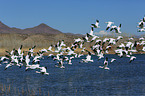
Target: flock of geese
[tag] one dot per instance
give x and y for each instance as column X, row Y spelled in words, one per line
column 61, row 53
column 141, row 25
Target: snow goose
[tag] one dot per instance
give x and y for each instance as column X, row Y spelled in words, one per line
column 105, row 64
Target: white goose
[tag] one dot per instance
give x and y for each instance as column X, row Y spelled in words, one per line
column 60, row 64
column 118, row 38
column 91, row 32
column 109, row 23
column 88, row 58
column 96, row 25
column 32, row 67
column 112, row 60
column 50, row 48
column 105, row 64
column 141, row 30
column 132, row 58
column 43, row 71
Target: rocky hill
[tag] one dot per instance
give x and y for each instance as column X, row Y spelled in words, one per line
column 40, row 29
column 41, row 36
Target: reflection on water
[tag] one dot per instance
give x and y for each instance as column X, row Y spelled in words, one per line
column 81, row 79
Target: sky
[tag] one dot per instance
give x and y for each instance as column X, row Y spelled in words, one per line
column 73, row 16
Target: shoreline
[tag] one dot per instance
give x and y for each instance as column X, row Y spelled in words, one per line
column 3, row 51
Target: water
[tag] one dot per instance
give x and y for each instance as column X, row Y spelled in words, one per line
column 81, row 79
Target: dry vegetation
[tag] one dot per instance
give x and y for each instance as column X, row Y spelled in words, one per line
column 42, row 36
column 10, row 90
column 10, row 41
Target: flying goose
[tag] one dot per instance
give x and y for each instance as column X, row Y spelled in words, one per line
column 96, row 25
column 109, row 23
column 105, row 64
column 43, row 71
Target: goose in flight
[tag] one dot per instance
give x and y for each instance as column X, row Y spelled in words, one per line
column 62, row 43
column 51, row 55
column 8, row 65
column 131, row 38
column 116, row 28
column 78, row 40
column 121, row 46
column 58, row 56
column 31, row 50
column 43, row 50
column 112, row 60
column 100, row 54
column 140, row 39
column 4, row 58
column 143, row 49
column 132, row 58
column 112, row 41
column 69, row 60
column 37, row 57
column 43, row 71
column 105, row 64
column 96, row 25
column 26, row 60
column 60, row 63
column 32, row 67
column 19, row 50
column 113, row 27
column 119, row 52
column 94, row 37
column 141, row 24
column 50, row 48
column 109, row 23
column 118, row 38
column 88, row 58
column 86, row 38
column 129, row 44
column 11, row 53
column 144, row 19
column 141, row 30
column 92, row 32
column 13, row 61
column 98, row 41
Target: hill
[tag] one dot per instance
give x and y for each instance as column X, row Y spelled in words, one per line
column 41, row 36
column 40, row 29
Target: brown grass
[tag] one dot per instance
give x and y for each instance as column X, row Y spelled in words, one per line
column 8, row 90
column 10, row 41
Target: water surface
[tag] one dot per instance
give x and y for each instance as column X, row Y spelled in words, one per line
column 81, row 79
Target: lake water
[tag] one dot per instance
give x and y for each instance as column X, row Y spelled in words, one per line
column 80, row 79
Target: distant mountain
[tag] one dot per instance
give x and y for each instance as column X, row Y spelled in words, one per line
column 6, row 29
column 42, row 36
column 40, row 29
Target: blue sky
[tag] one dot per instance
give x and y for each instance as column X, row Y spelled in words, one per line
column 74, row 16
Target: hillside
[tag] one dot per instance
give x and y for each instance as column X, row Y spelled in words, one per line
column 41, row 36
column 40, row 29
